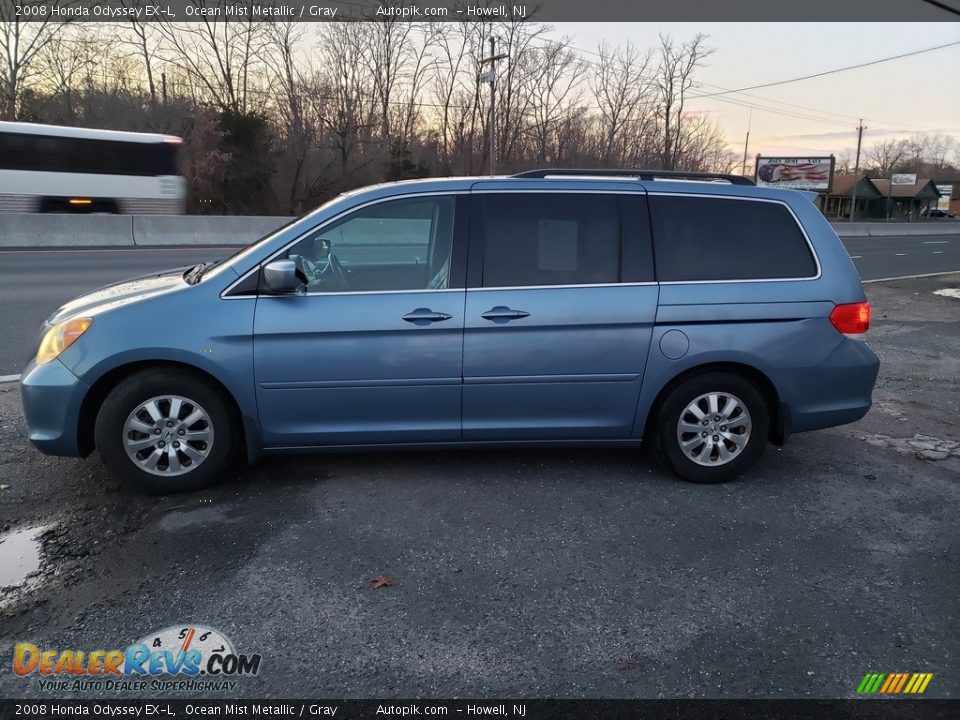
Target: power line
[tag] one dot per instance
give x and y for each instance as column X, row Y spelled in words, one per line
column 942, row 6
column 906, row 126
column 837, row 70
column 745, row 103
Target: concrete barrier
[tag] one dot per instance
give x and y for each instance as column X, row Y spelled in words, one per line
column 22, row 230
column 32, row 231
column 165, row 230
column 881, row 229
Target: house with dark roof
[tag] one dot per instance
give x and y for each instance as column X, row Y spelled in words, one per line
column 907, row 201
column 849, row 189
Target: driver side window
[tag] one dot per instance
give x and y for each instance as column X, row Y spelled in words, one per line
column 401, row 244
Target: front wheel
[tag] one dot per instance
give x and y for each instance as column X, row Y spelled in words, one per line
column 164, row 431
column 713, row 427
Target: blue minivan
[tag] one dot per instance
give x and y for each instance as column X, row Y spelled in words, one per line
column 554, row 307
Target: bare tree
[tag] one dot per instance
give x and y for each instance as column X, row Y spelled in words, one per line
column 20, row 43
column 887, row 155
column 143, row 38
column 674, row 80
column 288, row 85
column 385, row 51
column 344, row 101
column 554, row 90
column 68, row 62
column 448, row 80
column 623, row 89
column 705, row 147
column 221, row 55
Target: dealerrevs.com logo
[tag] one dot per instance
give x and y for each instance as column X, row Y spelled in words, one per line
column 181, row 657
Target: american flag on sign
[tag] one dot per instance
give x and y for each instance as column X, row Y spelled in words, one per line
column 782, row 172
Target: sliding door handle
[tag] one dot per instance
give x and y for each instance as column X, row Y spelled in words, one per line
column 425, row 316
column 502, row 313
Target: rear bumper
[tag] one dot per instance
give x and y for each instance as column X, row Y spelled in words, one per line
column 52, row 396
column 837, row 392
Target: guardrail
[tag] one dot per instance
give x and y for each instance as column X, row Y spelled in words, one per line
column 50, row 231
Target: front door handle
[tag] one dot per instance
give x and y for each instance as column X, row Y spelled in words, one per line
column 425, row 316
column 502, row 313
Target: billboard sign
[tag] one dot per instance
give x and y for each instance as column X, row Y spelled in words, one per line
column 903, row 179
column 946, row 192
column 796, row 173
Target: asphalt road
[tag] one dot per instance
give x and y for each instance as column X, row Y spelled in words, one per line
column 34, row 283
column 531, row 574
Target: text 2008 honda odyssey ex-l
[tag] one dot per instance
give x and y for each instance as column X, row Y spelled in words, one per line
column 553, row 307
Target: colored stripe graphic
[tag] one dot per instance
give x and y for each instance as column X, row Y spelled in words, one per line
column 894, row 683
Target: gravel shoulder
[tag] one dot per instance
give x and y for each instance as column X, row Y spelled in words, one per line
column 565, row 573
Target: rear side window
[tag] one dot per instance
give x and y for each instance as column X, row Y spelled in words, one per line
column 698, row 238
column 550, row 239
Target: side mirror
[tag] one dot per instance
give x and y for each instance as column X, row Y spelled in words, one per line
column 280, row 277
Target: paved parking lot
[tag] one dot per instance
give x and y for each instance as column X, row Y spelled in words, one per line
column 563, row 573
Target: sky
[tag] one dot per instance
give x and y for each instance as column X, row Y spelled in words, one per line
column 895, row 99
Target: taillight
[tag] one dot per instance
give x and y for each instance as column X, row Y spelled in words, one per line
column 851, row 319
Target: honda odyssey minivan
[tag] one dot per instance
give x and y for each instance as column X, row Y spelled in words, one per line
column 554, row 307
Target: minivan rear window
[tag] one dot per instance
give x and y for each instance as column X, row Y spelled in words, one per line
column 702, row 238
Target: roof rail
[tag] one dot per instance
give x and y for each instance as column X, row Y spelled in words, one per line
column 638, row 174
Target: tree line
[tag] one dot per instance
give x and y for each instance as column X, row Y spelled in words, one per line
column 278, row 116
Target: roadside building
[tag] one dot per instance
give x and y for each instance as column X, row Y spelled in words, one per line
column 905, row 202
column 849, row 188
column 949, row 187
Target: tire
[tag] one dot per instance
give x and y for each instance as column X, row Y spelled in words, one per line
column 186, row 450
column 741, row 433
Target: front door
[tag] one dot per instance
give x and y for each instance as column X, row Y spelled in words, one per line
column 558, row 322
column 370, row 349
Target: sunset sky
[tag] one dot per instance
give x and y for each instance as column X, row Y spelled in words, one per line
column 895, row 99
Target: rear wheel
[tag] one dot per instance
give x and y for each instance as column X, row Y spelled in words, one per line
column 165, row 431
column 713, row 427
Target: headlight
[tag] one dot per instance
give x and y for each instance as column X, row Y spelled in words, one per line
column 60, row 337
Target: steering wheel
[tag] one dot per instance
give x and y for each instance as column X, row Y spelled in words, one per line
column 321, row 266
column 336, row 269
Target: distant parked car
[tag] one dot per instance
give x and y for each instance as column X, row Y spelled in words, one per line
column 940, row 213
column 550, row 308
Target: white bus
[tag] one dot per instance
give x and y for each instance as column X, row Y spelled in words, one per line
column 46, row 168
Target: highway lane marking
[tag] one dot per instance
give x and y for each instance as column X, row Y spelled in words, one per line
column 899, row 254
column 9, row 378
column 911, row 277
column 938, row 252
column 856, row 257
column 934, row 242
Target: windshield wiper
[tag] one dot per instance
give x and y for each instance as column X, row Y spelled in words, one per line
column 194, row 274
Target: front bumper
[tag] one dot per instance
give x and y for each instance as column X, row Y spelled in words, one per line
column 52, row 397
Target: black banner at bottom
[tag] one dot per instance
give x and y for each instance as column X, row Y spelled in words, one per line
column 865, row 709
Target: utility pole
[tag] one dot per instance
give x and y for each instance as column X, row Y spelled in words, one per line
column 491, row 77
column 856, row 169
column 746, row 144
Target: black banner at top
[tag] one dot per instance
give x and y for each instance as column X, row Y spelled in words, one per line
column 481, row 10
column 499, row 709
